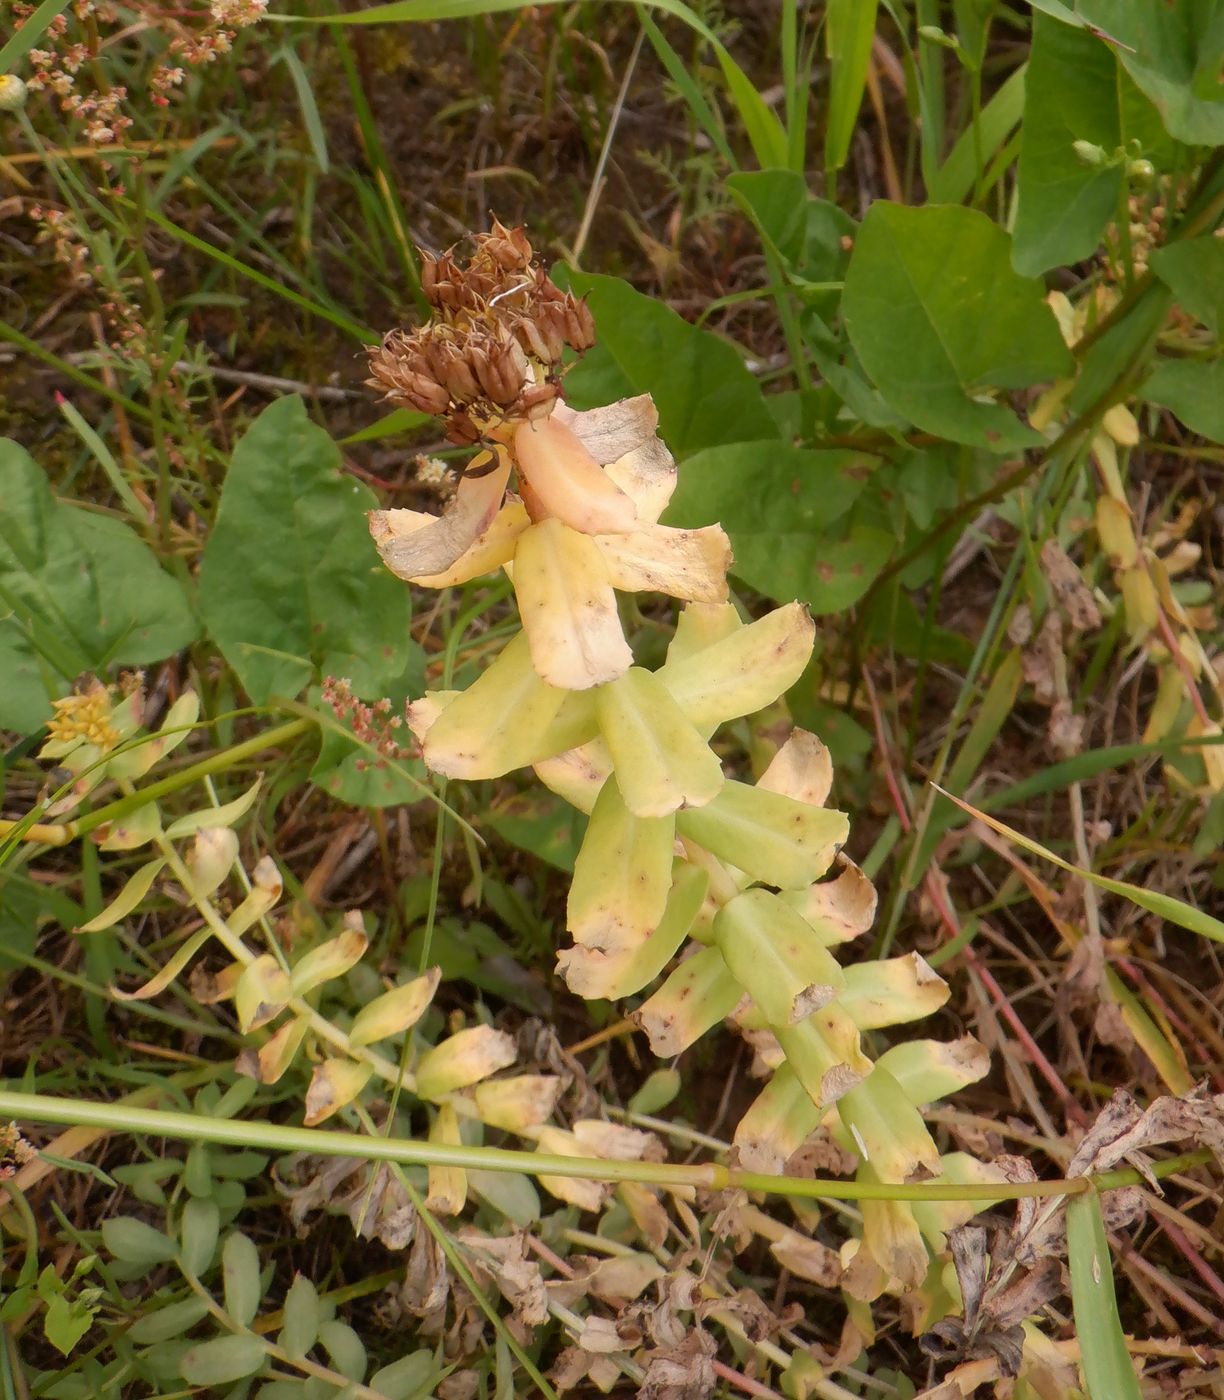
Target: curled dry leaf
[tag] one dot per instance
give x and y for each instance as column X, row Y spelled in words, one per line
column 1122, row 1131
column 1073, row 594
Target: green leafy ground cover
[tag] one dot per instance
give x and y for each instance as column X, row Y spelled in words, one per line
column 928, row 298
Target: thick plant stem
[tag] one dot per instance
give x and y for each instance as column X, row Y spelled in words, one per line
column 276, row 1137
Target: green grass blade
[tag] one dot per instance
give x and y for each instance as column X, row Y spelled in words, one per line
column 765, row 132
column 953, row 181
column 695, row 99
column 1174, row 910
column 104, row 458
column 362, row 333
column 23, row 40
column 1108, row 1373
column 849, row 30
column 310, row 108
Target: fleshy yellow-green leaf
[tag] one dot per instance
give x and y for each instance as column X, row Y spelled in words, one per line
column 395, row 1011
column 568, row 608
column 891, row 991
column 161, row 980
column 622, row 876
column 138, row 828
column 126, row 900
column 825, row 1053
column 662, row 762
column 778, row 1122
column 334, row 1084
column 518, row 1102
column 1106, row 1363
column 932, row 1069
column 593, row 973
column 773, row 838
column 887, row 1129
column 698, row 994
column 211, row 858
column 262, row 993
column 938, row 317
column 328, row 961
column 744, row 671
column 180, row 718
column 280, row 1049
column 507, row 719
column 462, row 1059
column 772, row 954
column 447, row 1185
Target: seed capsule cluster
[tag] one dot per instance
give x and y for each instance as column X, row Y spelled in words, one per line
column 494, row 348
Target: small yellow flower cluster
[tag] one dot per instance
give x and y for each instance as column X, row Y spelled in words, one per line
column 86, row 717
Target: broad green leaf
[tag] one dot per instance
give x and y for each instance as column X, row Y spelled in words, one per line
column 1194, row 269
column 291, row 587
column 1063, row 204
column 222, row 1360
column 198, row 1231
column 1173, row 51
column 29, row 683
column 1106, row 1363
column 779, row 505
column 66, row 1322
column 240, row 1272
column 165, row 1323
column 1194, row 391
column 938, row 316
column 703, row 390
column 79, row 590
column 776, row 202
column 134, row 1242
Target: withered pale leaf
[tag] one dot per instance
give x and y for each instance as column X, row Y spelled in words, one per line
column 801, row 769
column 838, row 909
column 413, row 551
column 687, row 564
column 568, row 608
column 623, row 436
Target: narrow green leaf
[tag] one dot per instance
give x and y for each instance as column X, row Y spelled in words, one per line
column 225, row 815
column 163, row 1324
column 310, row 109
column 302, row 1315
column 199, row 1229
column 240, row 1272
column 1165, row 905
column 1108, row 1373
column 134, row 1242
column 954, row 180
column 126, row 900
column 849, row 30
column 222, row 1360
column 104, row 457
